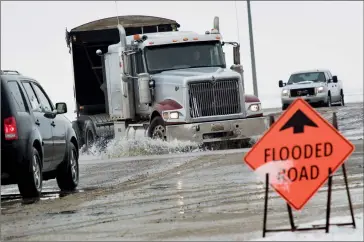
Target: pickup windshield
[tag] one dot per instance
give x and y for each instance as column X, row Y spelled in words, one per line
column 307, row 77
column 184, row 55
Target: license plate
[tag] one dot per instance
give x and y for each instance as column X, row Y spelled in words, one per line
column 217, row 127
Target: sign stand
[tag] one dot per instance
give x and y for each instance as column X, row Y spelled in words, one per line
column 328, row 205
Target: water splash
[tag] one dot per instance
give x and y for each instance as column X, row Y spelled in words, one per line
column 116, row 148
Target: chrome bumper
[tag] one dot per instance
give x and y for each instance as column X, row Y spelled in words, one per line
column 309, row 99
column 218, row 130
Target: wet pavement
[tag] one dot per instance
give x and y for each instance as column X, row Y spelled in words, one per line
column 195, row 196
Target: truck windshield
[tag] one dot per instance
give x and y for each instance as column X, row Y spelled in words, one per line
column 307, row 77
column 184, row 55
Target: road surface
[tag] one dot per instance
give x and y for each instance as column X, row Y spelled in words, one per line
column 195, row 196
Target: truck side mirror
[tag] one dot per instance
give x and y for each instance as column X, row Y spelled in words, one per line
column 334, row 79
column 125, row 56
column 236, row 54
column 280, row 83
column 144, row 86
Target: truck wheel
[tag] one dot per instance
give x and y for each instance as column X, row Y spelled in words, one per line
column 89, row 134
column 31, row 181
column 78, row 133
column 328, row 103
column 67, row 171
column 157, row 128
column 284, row 106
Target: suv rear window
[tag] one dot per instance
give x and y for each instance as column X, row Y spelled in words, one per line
column 17, row 96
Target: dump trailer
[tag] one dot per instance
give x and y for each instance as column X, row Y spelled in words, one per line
column 142, row 76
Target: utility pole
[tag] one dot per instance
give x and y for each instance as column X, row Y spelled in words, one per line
column 254, row 72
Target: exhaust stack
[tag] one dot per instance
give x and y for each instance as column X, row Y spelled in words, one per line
column 217, row 23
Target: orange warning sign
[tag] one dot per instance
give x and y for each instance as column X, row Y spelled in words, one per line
column 297, row 152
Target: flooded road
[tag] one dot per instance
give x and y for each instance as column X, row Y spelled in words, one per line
column 207, row 195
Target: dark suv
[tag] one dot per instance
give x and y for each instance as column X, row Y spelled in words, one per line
column 37, row 141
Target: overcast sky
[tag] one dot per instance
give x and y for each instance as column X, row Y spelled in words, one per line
column 288, row 36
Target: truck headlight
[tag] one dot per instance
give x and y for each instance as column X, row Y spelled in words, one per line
column 319, row 89
column 171, row 115
column 254, row 107
column 285, row 92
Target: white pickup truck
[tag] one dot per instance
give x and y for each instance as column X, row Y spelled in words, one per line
column 315, row 86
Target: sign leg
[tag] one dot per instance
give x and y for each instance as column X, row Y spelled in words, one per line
column 265, row 204
column 348, row 193
column 328, row 206
column 271, row 122
column 335, row 124
column 291, row 221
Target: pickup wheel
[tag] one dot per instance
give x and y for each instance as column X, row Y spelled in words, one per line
column 157, row 128
column 31, row 180
column 328, row 103
column 342, row 101
column 67, row 171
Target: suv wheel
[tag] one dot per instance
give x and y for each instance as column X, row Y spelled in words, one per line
column 67, row 171
column 31, row 180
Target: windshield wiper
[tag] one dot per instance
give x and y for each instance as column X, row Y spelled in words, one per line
column 186, row 67
column 222, row 66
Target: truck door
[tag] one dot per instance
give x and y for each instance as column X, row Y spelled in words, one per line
column 333, row 87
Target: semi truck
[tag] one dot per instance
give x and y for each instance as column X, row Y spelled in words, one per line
column 140, row 76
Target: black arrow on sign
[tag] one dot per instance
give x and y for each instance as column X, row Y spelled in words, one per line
column 298, row 121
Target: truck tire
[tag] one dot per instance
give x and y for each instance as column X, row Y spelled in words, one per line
column 31, row 178
column 89, row 134
column 157, row 128
column 77, row 130
column 68, row 170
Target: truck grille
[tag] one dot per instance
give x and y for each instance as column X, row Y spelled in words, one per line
column 208, row 98
column 302, row 92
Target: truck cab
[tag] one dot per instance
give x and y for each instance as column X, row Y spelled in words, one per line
column 314, row 86
column 160, row 83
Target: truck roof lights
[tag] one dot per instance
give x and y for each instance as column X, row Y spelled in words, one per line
column 195, row 38
column 174, row 40
column 185, row 39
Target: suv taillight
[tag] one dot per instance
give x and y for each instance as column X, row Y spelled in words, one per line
column 10, row 129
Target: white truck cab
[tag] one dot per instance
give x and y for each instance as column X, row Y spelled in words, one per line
column 314, row 86
column 139, row 75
